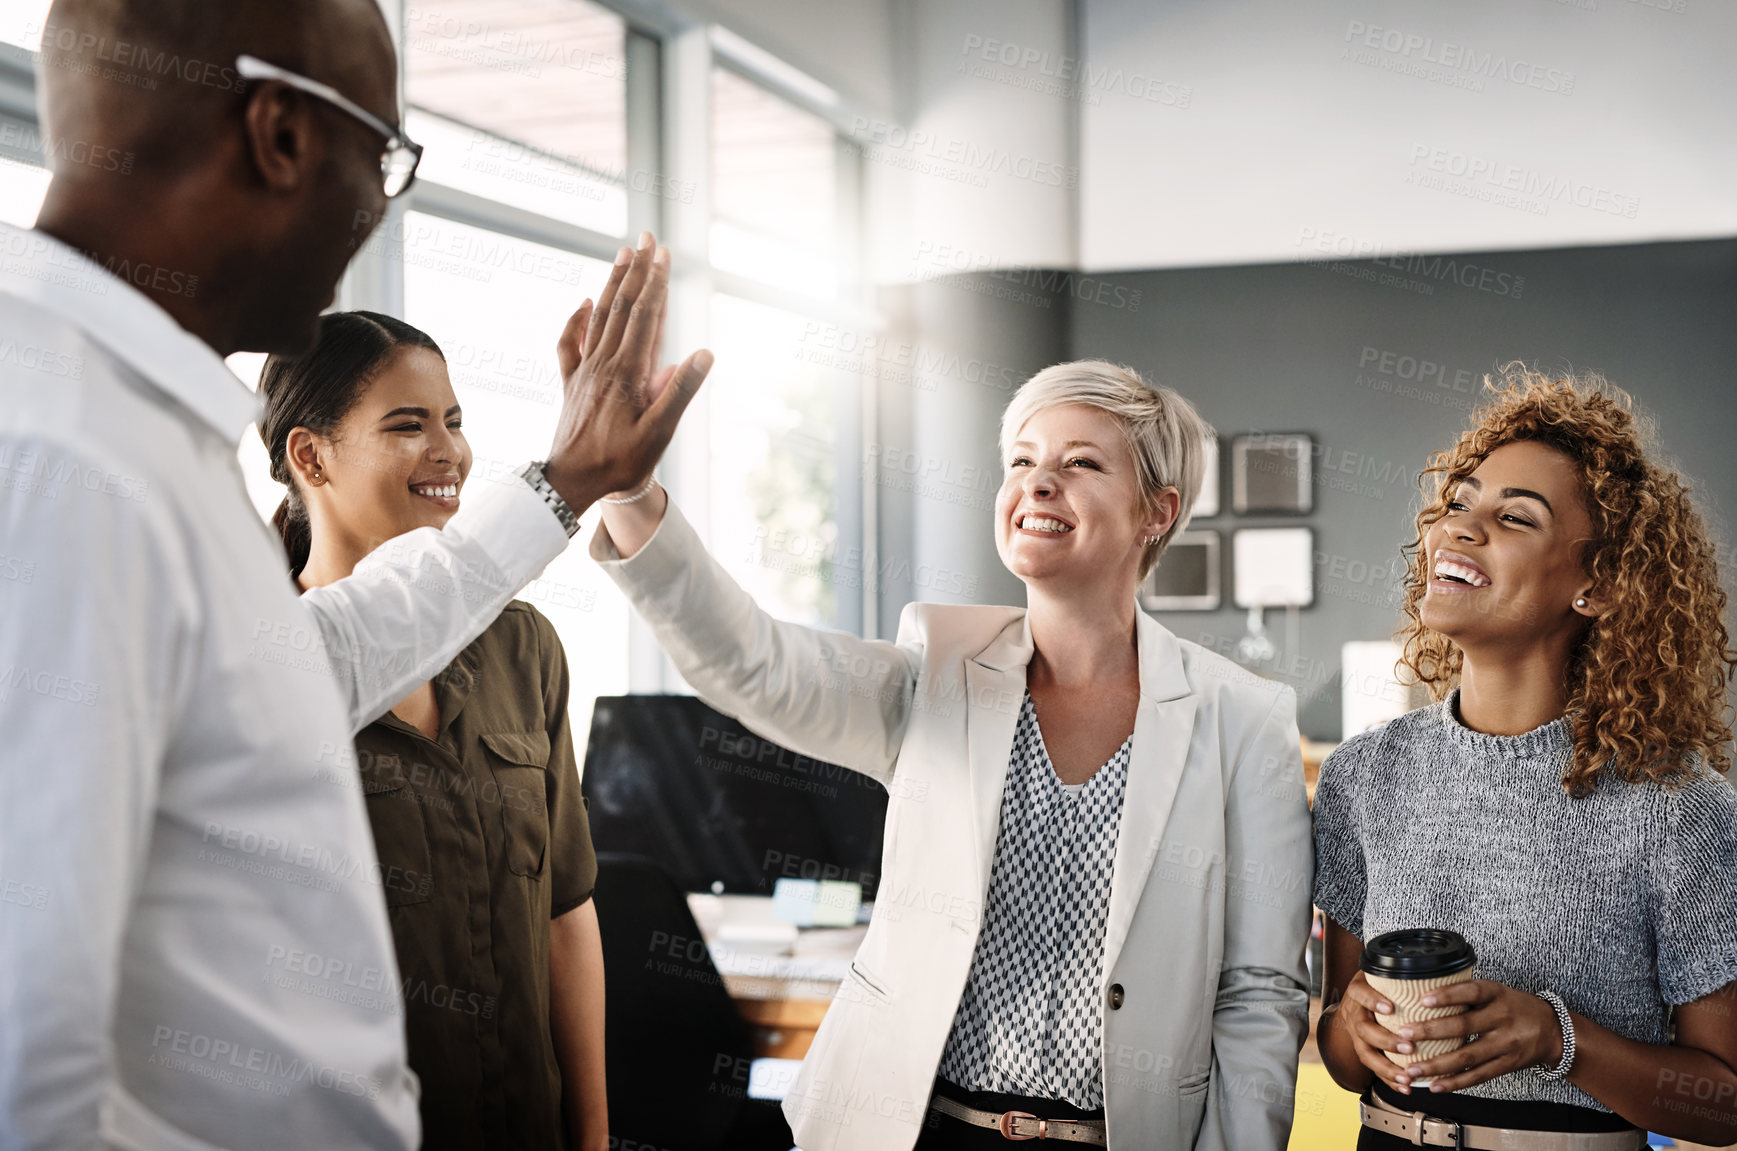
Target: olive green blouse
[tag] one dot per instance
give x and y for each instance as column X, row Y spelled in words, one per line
column 484, row 828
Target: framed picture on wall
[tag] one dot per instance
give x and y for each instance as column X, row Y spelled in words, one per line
column 1271, row 472
column 1206, row 503
column 1187, row 576
column 1275, row 567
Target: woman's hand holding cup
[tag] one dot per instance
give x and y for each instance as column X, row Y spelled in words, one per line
column 1515, row 1030
column 1357, row 1014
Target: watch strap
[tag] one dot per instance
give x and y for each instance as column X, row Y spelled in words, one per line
column 532, row 473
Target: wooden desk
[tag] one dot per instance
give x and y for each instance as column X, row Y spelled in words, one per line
column 782, row 994
column 783, row 1028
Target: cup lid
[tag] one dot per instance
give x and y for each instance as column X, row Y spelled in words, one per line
column 1417, row 953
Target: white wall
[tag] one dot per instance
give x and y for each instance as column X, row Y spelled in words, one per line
column 1207, row 132
column 845, row 44
column 1297, row 138
column 971, row 172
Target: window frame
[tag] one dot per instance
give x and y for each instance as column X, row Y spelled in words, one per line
column 669, row 65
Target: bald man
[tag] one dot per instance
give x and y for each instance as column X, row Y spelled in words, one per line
column 194, row 949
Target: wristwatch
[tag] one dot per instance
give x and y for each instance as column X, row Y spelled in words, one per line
column 532, row 473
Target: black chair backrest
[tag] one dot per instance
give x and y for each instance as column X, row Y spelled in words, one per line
column 677, row 1050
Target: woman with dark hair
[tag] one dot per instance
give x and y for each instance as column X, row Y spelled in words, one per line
column 471, row 784
column 1562, row 805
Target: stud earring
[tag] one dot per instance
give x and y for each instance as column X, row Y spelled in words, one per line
column 1580, row 602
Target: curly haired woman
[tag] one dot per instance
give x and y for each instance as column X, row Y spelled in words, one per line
column 1562, row 804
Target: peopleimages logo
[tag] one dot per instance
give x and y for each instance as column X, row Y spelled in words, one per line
column 1460, row 65
column 1419, row 273
column 1541, row 188
column 230, row 1061
column 509, row 48
column 74, row 151
column 1449, row 269
column 954, row 158
column 1068, row 76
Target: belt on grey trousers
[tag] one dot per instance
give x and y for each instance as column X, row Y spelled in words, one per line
column 1420, row 1130
column 1022, row 1125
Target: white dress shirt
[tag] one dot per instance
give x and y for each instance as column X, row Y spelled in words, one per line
column 180, row 824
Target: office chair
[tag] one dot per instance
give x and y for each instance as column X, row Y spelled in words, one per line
column 676, row 1049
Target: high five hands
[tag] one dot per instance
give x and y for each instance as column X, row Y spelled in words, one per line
column 619, row 407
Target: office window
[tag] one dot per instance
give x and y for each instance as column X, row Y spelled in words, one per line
column 22, row 186
column 774, row 189
column 524, row 103
column 495, row 305
column 264, row 492
column 785, row 491
column 21, row 23
column 776, row 450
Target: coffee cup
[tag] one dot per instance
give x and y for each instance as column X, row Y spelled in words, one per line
column 1403, row 967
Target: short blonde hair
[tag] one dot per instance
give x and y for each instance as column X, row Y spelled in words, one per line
column 1164, row 433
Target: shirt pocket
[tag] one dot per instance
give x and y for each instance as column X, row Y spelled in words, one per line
column 400, row 833
column 520, row 762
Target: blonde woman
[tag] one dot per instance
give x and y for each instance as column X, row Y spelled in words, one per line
column 1094, row 893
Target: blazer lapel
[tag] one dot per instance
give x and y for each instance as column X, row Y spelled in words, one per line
column 1163, row 731
column 995, row 689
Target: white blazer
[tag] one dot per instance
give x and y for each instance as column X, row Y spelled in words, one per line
column 1205, row 1001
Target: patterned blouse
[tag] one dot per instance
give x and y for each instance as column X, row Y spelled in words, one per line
column 1031, row 1020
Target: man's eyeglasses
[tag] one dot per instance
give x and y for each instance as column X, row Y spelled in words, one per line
column 397, row 163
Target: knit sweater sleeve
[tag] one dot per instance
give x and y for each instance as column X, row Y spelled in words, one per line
column 1696, row 891
column 1341, row 880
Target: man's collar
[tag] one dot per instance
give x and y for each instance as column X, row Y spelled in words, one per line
column 47, row 273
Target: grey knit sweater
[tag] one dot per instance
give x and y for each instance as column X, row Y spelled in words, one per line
column 1623, row 902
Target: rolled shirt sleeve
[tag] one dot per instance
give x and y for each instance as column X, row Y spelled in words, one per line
column 417, row 600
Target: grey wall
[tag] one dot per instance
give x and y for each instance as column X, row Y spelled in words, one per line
column 957, row 348
column 1300, row 347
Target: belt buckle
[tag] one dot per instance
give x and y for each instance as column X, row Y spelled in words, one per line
column 1459, row 1134
column 1423, row 1121
column 1005, row 1126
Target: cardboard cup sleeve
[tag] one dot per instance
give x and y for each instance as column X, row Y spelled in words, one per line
column 1405, row 995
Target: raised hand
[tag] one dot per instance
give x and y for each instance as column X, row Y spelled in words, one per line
column 619, row 409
